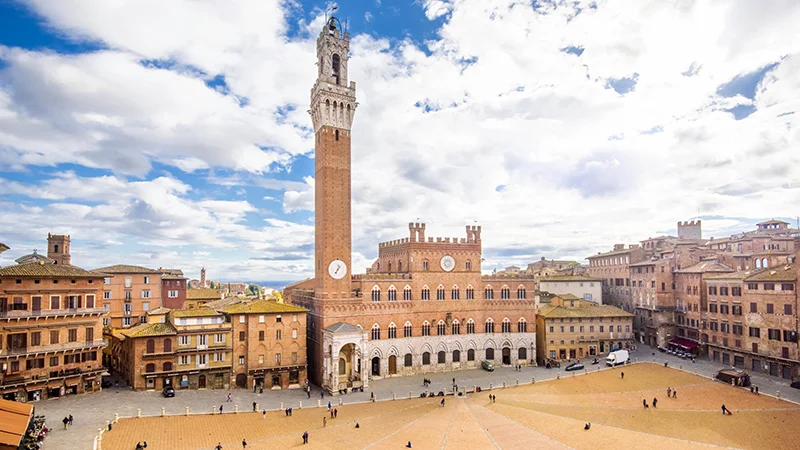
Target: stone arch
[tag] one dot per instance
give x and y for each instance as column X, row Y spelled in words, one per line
column 393, row 351
column 457, row 346
column 471, row 345
column 489, row 343
column 426, row 347
column 441, row 347
column 376, row 353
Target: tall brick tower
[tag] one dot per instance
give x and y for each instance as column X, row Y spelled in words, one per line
column 58, row 248
column 333, row 105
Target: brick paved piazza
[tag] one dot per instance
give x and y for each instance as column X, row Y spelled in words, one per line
column 547, row 414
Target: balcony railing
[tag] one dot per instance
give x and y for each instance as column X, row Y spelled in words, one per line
column 54, row 347
column 49, row 312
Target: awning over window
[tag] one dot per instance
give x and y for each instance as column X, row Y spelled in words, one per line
column 73, row 381
column 55, row 384
column 683, row 343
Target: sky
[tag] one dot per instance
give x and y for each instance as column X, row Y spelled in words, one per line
column 176, row 134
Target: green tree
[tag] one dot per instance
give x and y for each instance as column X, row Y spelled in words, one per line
column 253, row 289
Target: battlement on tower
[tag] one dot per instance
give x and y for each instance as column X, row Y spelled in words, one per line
column 690, row 229
column 417, row 236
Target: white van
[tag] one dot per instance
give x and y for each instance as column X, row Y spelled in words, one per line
column 618, row 357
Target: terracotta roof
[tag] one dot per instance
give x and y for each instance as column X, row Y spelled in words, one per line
column 298, row 283
column 711, row 265
column 4, row 247
column 649, row 262
column 199, row 312
column 781, row 273
column 41, row 269
column 123, row 268
column 568, row 278
column 740, row 275
column 159, row 310
column 34, row 257
column 613, row 252
column 203, row 294
column 169, row 276
column 551, row 312
column 150, row 329
column 262, row 306
column 14, row 419
column 571, row 297
column 341, row 327
column 772, row 222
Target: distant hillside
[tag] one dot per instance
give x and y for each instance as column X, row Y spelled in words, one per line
column 277, row 285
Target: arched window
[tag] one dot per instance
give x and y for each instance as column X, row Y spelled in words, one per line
column 392, row 331
column 522, row 325
column 506, row 325
column 167, row 366
column 167, row 345
column 489, row 326
column 490, row 354
column 426, row 293
column 440, row 292
column 440, row 328
column 758, row 263
column 390, row 267
column 441, row 357
column 407, row 293
column 426, row 359
column 455, row 328
column 470, row 293
column 522, row 353
column 426, row 328
column 376, row 294
column 425, row 265
column 454, row 293
column 376, row 332
column 392, row 294
column 151, row 346
column 471, row 355
column 488, row 293
column 469, row 265
column 521, row 292
column 55, row 248
column 399, row 266
column 335, row 60
column 408, row 360
column 407, row 330
column 505, row 293
column 470, row 326
column 764, row 263
column 150, row 368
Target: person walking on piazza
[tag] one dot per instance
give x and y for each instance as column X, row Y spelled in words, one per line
column 254, row 406
column 305, row 437
column 644, row 402
column 655, row 400
column 335, row 412
column 220, row 409
column 70, row 420
column 324, row 421
column 219, row 446
column 244, row 443
column 229, row 398
column 669, row 392
column 674, row 393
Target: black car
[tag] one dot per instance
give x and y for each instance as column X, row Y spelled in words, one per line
column 574, row 366
column 168, row 392
column 795, row 384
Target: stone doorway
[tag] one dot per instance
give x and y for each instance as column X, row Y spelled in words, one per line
column 376, row 367
column 241, row 380
column 393, row 365
column 506, row 356
column 201, row 381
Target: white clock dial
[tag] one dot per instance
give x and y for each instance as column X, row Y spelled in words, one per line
column 337, row 269
column 447, row 263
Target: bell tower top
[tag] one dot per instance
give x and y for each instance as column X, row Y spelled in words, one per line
column 333, row 100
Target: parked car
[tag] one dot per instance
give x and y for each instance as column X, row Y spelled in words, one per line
column 795, row 384
column 487, row 365
column 168, row 392
column 574, row 366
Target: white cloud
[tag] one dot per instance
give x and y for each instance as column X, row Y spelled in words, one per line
column 582, row 166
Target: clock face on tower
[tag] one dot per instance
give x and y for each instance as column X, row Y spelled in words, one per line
column 337, row 269
column 447, row 263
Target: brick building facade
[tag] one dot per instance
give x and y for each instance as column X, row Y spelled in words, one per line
column 129, row 292
column 423, row 306
column 50, row 329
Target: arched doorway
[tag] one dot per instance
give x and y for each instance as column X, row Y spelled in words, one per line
column 506, row 356
column 201, row 381
column 241, row 380
column 392, row 365
column 376, row 367
column 348, row 366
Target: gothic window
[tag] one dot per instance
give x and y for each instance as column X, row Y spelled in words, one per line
column 490, row 354
column 470, row 293
column 455, row 328
column 408, row 360
column 376, row 294
column 758, row 263
column 376, row 332
column 454, row 293
column 440, row 293
column 456, row 356
column 505, row 293
column 426, row 328
column 392, row 294
column 426, row 293
column 407, row 293
column 488, row 293
column 471, row 355
column 424, row 265
column 764, row 263
column 407, row 330
column 392, row 331
column 522, row 326
column 506, row 325
column 470, row 326
column 399, row 266
column 390, row 267
column 489, row 326
column 335, row 63
column 521, row 292
column 440, row 328
column 426, row 359
column 441, row 357
column 469, row 265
